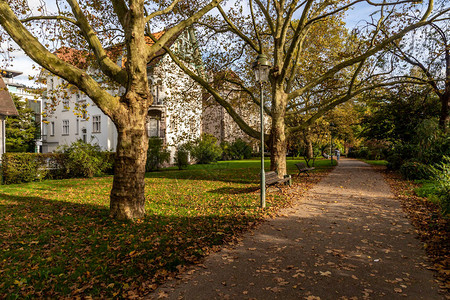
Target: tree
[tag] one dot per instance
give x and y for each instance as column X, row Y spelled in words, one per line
column 93, row 27
column 21, row 130
column 393, row 115
column 431, row 60
column 283, row 28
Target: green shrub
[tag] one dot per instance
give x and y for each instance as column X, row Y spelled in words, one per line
column 21, row 167
column 414, row 171
column 400, row 154
column 157, row 154
column 240, row 150
column 26, row 167
column 83, row 159
column 182, row 157
column 205, row 149
column 441, row 175
column 108, row 161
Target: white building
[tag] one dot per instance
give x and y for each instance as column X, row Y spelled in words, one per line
column 30, row 95
column 7, row 108
column 175, row 115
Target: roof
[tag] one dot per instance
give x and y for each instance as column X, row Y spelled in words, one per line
column 7, row 107
column 75, row 57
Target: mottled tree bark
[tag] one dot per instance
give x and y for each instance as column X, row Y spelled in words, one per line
column 127, row 194
column 278, row 134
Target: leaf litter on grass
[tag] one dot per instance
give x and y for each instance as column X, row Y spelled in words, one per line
column 58, row 241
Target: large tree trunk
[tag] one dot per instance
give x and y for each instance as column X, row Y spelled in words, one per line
column 278, row 134
column 127, row 194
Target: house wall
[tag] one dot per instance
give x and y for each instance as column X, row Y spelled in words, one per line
column 182, row 105
column 34, row 101
column 217, row 122
column 57, row 114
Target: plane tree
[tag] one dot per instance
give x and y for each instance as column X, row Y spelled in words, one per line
column 428, row 53
column 302, row 70
column 92, row 26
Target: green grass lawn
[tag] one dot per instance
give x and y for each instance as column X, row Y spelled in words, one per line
column 57, row 239
column 376, row 162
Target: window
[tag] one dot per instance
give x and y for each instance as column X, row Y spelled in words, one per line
column 65, row 127
column 84, row 135
column 77, row 127
column 96, row 124
column 153, row 128
column 52, row 128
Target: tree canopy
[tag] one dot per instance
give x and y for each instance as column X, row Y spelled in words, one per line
column 316, row 63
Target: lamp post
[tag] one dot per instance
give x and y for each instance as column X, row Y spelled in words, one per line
column 261, row 68
column 331, row 142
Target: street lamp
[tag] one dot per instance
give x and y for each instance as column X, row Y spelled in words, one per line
column 261, row 68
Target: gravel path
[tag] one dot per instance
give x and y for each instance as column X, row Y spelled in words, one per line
column 347, row 238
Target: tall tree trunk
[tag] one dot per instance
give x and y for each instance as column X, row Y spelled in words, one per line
column 444, row 119
column 308, row 142
column 278, row 134
column 127, row 194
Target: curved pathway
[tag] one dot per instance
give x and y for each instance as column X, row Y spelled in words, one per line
column 347, row 238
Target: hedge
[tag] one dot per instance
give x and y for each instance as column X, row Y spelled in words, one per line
column 26, row 167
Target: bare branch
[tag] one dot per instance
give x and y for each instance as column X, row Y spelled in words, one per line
column 241, row 123
column 110, row 68
column 58, row 18
column 161, row 12
column 237, row 31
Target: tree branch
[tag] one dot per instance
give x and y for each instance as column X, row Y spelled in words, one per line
column 58, row 18
column 239, row 121
column 161, row 12
column 37, row 52
column 237, row 31
column 357, row 59
column 110, row 68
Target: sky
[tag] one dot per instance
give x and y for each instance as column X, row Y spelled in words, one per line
column 24, row 64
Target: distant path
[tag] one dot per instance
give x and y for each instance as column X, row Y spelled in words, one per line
column 347, row 238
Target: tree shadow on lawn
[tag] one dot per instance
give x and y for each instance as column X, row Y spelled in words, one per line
column 234, row 191
column 54, row 248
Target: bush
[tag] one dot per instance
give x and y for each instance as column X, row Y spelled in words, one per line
column 182, row 157
column 441, row 174
column 205, row 149
column 400, row 154
column 239, row 149
column 157, row 154
column 415, row 171
column 26, row 167
column 83, row 159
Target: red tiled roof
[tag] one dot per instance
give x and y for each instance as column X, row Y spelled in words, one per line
column 7, row 107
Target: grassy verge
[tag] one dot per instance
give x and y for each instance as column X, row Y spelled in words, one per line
column 57, row 239
column 376, row 162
